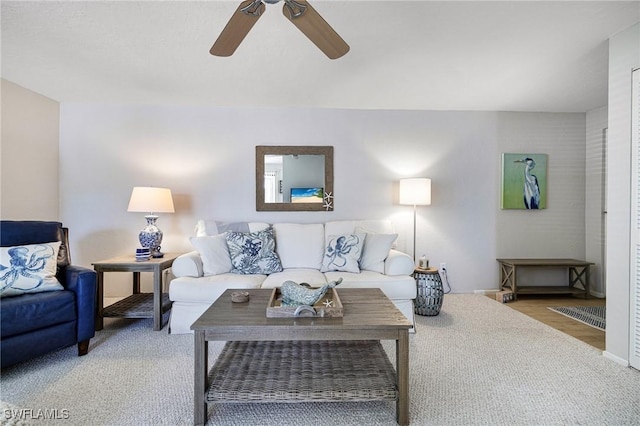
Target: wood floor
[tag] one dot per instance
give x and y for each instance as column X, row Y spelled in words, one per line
column 536, row 306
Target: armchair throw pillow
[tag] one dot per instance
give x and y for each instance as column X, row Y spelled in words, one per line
column 29, row 269
column 254, row 252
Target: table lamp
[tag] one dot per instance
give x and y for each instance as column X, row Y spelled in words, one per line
column 151, row 200
column 416, row 192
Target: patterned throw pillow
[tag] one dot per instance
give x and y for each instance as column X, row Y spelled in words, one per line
column 29, row 269
column 342, row 253
column 253, row 253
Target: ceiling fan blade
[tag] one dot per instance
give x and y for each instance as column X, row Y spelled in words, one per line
column 305, row 17
column 242, row 20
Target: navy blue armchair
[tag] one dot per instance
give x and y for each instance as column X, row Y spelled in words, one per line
column 34, row 324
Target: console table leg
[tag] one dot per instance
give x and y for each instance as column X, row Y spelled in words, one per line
column 508, row 277
column 581, row 276
column 402, row 372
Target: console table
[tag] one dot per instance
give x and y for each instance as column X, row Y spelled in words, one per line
column 578, row 274
column 138, row 305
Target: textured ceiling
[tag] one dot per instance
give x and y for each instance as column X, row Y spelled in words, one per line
column 496, row 56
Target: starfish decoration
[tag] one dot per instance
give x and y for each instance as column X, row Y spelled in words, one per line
column 328, row 201
column 328, row 303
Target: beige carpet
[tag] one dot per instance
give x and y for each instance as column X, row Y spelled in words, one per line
column 477, row 363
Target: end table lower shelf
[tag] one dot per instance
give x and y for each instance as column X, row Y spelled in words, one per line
column 139, row 305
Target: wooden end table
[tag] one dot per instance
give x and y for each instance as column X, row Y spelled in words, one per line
column 138, row 305
column 369, row 316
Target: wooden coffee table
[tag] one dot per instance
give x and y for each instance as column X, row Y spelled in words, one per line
column 336, row 356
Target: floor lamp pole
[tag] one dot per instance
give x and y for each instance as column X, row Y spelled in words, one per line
column 414, row 235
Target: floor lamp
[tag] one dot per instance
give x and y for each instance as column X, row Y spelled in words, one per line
column 415, row 192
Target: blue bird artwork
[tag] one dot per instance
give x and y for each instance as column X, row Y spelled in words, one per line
column 524, row 181
column 531, row 190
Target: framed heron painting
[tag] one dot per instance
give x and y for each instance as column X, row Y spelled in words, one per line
column 524, row 181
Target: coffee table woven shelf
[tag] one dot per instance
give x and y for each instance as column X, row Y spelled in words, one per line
column 139, row 305
column 299, row 371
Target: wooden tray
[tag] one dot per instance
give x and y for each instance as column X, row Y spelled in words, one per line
column 275, row 310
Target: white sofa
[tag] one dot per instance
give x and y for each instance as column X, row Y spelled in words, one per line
column 201, row 276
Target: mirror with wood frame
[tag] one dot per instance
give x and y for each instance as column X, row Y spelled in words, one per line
column 294, row 178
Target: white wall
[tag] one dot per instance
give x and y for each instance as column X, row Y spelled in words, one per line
column 206, row 156
column 624, row 56
column 29, row 152
column 539, row 233
column 594, row 202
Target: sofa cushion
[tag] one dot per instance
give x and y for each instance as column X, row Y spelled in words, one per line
column 340, row 227
column 208, row 289
column 312, row 277
column 29, row 312
column 343, row 252
column 254, row 252
column 376, row 249
column 214, row 253
column 29, row 269
column 215, row 227
column 396, row 287
column 300, row 245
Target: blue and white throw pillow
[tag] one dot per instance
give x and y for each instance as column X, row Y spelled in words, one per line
column 29, row 269
column 254, row 252
column 342, row 253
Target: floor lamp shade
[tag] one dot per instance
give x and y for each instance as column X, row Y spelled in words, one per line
column 415, row 192
column 151, row 200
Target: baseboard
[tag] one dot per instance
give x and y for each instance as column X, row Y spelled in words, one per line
column 615, row 358
column 597, row 295
column 485, row 292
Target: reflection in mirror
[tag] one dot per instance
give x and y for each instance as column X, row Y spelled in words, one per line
column 294, row 178
column 273, row 179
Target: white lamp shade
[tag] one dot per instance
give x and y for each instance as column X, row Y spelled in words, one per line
column 415, row 191
column 151, row 200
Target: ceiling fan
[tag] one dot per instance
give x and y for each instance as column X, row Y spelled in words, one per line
column 299, row 12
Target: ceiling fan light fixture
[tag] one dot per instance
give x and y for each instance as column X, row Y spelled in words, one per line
column 295, row 9
column 253, row 9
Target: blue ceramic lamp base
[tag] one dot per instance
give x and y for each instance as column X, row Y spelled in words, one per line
column 151, row 236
